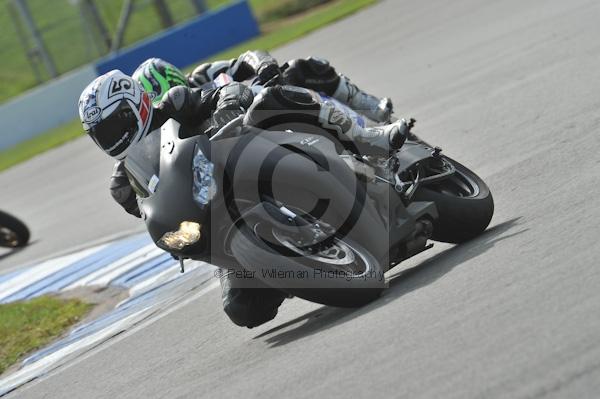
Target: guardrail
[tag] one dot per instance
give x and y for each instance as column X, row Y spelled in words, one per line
column 54, row 103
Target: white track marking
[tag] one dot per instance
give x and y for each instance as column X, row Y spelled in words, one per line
column 161, row 278
column 41, row 271
column 103, row 276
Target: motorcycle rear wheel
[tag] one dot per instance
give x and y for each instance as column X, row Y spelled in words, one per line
column 464, row 202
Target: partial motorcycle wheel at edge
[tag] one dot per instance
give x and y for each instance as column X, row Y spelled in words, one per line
column 13, row 232
column 255, row 255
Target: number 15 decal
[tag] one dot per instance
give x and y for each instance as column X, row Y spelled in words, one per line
column 122, row 86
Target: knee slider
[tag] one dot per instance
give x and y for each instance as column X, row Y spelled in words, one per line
column 238, row 312
column 250, row 307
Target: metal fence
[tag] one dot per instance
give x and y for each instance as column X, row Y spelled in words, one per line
column 41, row 39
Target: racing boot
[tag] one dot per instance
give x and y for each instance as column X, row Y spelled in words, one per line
column 386, row 138
column 374, row 108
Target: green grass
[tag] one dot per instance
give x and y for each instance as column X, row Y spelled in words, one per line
column 26, row 326
column 275, row 34
column 281, row 33
column 62, row 31
column 70, row 46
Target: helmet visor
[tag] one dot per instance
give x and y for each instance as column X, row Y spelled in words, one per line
column 116, row 133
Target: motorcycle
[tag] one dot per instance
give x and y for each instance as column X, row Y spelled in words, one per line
column 297, row 211
column 13, row 232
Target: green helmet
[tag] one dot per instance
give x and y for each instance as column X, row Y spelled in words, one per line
column 157, row 76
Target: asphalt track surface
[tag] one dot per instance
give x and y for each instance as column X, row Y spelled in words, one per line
column 508, row 88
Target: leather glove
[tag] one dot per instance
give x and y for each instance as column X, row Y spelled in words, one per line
column 268, row 71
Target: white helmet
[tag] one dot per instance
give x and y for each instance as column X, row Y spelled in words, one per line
column 116, row 112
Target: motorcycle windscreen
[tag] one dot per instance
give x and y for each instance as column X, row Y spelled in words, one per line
column 143, row 164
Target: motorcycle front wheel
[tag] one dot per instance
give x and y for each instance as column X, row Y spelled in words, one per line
column 339, row 273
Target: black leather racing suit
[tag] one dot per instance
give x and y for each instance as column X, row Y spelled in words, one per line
column 311, row 73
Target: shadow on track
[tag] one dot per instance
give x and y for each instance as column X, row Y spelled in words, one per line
column 403, row 283
column 13, row 251
column 7, row 254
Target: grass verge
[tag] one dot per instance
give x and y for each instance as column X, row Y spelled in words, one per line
column 274, row 35
column 27, row 326
column 278, row 33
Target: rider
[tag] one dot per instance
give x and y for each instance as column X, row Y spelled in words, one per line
column 158, row 76
column 116, row 113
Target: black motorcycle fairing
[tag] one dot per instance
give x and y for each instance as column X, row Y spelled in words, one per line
column 170, row 201
column 299, row 170
column 302, row 171
column 143, row 162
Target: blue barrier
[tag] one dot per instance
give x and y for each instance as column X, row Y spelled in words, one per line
column 183, row 45
column 207, row 35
